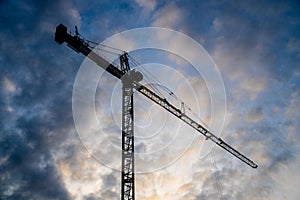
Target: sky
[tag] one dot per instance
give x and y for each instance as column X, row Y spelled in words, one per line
column 255, row 46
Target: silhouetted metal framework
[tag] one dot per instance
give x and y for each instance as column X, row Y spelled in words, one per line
column 127, row 179
column 178, row 113
column 130, row 81
column 127, row 185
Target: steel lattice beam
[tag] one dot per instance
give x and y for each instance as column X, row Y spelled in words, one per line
column 127, row 182
column 204, row 131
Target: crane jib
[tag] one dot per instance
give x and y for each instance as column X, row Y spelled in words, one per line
column 80, row 46
column 177, row 112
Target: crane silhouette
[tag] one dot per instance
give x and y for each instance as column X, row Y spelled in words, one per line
column 131, row 81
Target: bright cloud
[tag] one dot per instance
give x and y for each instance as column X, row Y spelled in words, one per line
column 168, row 17
column 149, row 5
column 8, row 85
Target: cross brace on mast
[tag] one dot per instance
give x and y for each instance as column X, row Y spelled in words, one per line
column 130, row 81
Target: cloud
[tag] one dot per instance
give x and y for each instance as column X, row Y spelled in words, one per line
column 147, row 5
column 253, row 86
column 38, row 117
column 242, row 47
column 286, row 181
column 255, row 115
column 8, row 85
column 29, row 167
column 169, row 16
column 255, row 46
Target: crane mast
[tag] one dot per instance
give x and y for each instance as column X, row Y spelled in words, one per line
column 130, row 81
column 127, row 179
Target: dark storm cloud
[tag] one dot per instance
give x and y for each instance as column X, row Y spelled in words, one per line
column 100, row 24
column 257, row 34
column 253, row 39
column 250, row 30
column 43, row 73
column 29, row 171
column 41, row 118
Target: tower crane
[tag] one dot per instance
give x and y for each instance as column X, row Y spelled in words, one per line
column 131, row 81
